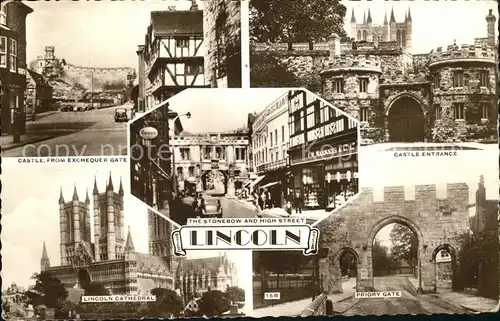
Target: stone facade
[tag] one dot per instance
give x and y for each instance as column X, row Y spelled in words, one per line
column 447, row 95
column 353, row 228
column 222, row 28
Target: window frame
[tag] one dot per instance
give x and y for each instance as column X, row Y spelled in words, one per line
column 438, row 112
column 459, row 108
column 484, row 78
column 4, row 51
column 458, row 79
column 364, row 114
column 485, row 111
column 363, row 80
column 338, row 85
column 12, row 55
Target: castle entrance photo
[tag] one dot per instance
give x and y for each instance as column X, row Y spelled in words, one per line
column 214, row 182
column 406, row 121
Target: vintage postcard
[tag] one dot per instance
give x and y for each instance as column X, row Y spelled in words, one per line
column 224, row 158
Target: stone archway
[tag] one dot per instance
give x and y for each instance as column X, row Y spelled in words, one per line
column 83, row 278
column 338, row 268
column 215, row 182
column 443, row 267
column 406, row 120
column 365, row 279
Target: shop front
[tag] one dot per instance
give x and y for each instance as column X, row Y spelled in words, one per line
column 325, row 178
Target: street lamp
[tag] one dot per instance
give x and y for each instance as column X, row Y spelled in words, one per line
column 174, row 175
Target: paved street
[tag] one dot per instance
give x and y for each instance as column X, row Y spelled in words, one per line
column 408, row 303
column 232, row 208
column 89, row 133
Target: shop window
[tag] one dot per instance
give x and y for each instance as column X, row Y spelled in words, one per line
column 484, row 76
column 437, row 111
column 338, row 85
column 459, row 111
column 3, row 52
column 485, row 111
column 364, row 114
column 363, row 85
column 13, row 55
column 458, row 79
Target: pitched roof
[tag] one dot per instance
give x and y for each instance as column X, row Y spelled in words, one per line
column 196, row 266
column 146, row 263
column 177, row 23
column 36, row 76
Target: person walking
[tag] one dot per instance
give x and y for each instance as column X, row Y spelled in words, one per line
column 256, row 204
column 298, row 203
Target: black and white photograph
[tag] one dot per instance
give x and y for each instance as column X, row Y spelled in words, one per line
column 89, row 237
column 281, row 153
column 430, row 239
column 75, row 72
column 409, row 73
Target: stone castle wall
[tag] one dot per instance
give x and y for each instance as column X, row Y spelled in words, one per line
column 101, row 76
column 434, row 220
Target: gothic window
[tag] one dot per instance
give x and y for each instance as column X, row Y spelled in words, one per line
column 359, row 35
column 364, row 35
column 458, row 79
column 398, row 37
column 459, row 111
column 363, row 85
column 364, row 114
column 484, row 78
column 437, row 81
column 437, row 111
column 403, row 38
column 338, row 85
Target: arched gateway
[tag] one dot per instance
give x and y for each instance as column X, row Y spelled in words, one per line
column 433, row 220
column 214, row 182
column 406, row 120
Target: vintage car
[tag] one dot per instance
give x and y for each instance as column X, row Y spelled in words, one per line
column 121, row 115
column 213, row 207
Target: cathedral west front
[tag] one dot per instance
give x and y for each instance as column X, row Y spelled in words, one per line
column 110, row 257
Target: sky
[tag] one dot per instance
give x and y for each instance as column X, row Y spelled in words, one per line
column 434, row 23
column 93, row 33
column 217, row 110
column 467, row 167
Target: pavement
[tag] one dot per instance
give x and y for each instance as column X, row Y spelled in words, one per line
column 408, row 303
column 467, row 301
column 295, row 308
column 52, row 134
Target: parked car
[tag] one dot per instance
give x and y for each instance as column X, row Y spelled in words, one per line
column 66, row 107
column 121, row 115
column 213, row 207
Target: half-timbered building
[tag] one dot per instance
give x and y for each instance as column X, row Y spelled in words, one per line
column 173, row 53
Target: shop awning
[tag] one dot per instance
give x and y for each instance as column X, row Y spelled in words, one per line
column 270, row 184
column 256, row 181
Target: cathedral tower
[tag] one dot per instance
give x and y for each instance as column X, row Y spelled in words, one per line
column 160, row 239
column 74, row 220
column 490, row 19
column 353, row 25
column 109, row 235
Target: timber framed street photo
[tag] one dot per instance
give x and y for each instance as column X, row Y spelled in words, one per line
column 95, row 254
column 376, row 61
column 67, row 97
column 286, row 153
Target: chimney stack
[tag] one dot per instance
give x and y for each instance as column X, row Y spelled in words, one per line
column 334, row 44
column 194, row 6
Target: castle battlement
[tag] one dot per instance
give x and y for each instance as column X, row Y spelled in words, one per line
column 479, row 51
column 396, row 78
column 350, row 61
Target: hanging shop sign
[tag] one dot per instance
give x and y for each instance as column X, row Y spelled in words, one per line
column 148, row 133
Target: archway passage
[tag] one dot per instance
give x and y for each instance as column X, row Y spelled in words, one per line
column 83, row 278
column 406, row 121
column 348, row 261
column 444, row 258
column 395, row 258
column 214, row 182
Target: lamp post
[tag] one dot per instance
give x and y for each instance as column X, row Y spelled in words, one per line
column 174, row 174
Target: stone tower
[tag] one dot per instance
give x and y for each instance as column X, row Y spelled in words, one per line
column 74, row 220
column 491, row 19
column 160, row 239
column 109, row 238
column 44, row 262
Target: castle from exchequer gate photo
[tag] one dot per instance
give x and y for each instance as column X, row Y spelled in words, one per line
column 111, row 259
column 447, row 95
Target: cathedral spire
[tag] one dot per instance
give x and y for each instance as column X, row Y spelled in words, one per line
column 129, row 244
column 110, row 183
column 45, row 255
column 87, row 199
column 385, row 18
column 75, row 194
column 44, row 261
column 61, row 197
column 392, row 16
column 369, row 19
column 409, row 15
column 353, row 18
column 120, row 191
column 364, row 17
column 95, row 191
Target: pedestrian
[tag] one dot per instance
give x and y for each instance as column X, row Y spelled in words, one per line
column 268, row 198
column 256, row 204
column 263, row 198
column 298, row 203
column 288, row 208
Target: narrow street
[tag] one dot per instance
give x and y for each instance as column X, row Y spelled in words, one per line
column 408, row 303
column 232, row 208
column 88, row 133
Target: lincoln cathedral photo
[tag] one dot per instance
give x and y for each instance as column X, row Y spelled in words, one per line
column 111, row 260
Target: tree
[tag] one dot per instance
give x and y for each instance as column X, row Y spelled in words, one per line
column 168, row 303
column 296, row 21
column 380, row 258
column 213, row 303
column 235, row 294
column 404, row 245
column 48, row 290
column 95, row 288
